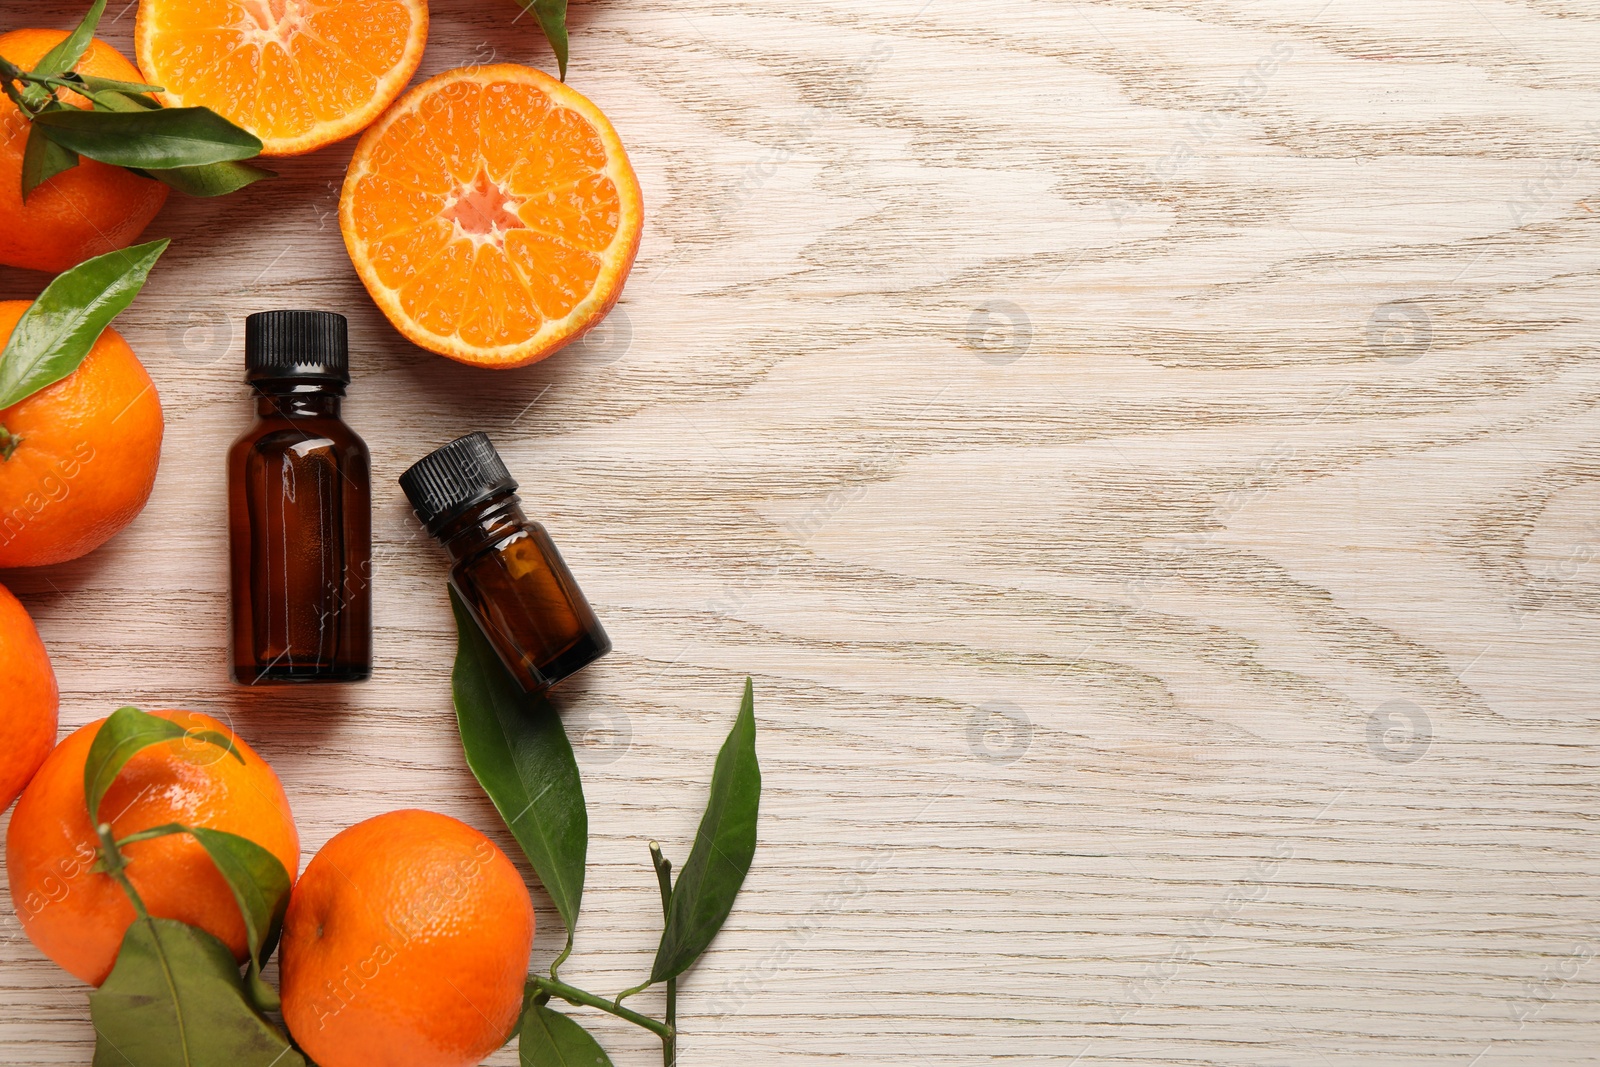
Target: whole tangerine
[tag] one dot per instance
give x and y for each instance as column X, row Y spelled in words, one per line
column 84, row 457
column 86, row 211
column 406, row 945
column 76, row 916
column 28, row 727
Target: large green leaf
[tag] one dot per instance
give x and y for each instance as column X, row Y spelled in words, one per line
column 60, row 327
column 724, row 846
column 210, row 179
column 156, row 139
column 65, row 55
column 175, row 999
column 518, row 749
column 124, row 735
column 550, row 1039
column 552, row 16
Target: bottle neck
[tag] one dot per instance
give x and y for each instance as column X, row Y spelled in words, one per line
column 298, row 398
column 481, row 525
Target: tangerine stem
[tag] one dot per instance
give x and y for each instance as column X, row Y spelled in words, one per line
column 641, row 987
column 555, row 966
column 7, row 83
column 31, row 98
column 573, row 995
column 81, row 89
column 151, row 834
column 663, row 866
column 112, row 863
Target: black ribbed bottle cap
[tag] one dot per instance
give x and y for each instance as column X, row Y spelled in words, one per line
column 454, row 477
column 296, row 344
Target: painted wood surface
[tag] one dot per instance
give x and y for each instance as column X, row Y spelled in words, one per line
column 1144, row 453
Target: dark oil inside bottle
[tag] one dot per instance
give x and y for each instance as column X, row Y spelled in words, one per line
column 300, row 535
column 519, row 590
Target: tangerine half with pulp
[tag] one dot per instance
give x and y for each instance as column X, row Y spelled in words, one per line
column 492, row 214
column 298, row 74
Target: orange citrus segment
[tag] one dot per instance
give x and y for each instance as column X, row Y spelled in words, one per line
column 492, row 214
column 298, row 74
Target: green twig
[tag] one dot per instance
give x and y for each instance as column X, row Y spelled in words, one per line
column 631, row 990
column 39, row 90
column 663, row 866
column 574, row 995
column 33, row 97
column 555, row 967
column 73, row 85
column 18, row 98
column 112, row 863
column 69, row 85
column 151, row 834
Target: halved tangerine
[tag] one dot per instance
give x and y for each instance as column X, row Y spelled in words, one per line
column 492, row 214
column 296, row 73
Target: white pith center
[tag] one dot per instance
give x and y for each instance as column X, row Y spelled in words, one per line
column 483, row 212
column 265, row 22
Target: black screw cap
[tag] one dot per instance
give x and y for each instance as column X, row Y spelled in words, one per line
column 454, row 477
column 296, row 344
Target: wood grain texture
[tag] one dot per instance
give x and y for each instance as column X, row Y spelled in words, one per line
column 1145, row 454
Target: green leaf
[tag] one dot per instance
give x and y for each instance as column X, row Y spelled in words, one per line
column 65, row 55
column 723, row 848
column 260, row 885
column 213, row 179
column 124, row 735
column 518, row 749
column 115, row 100
column 155, row 140
column 42, row 160
column 60, row 327
column 552, row 16
column 550, row 1039
column 96, row 84
column 175, row 999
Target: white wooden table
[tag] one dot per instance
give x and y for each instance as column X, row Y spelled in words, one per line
column 1144, row 453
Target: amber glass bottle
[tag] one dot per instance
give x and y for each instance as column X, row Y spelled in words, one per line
column 299, row 511
column 505, row 567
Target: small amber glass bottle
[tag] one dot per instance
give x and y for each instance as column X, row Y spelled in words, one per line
column 505, row 567
column 299, row 511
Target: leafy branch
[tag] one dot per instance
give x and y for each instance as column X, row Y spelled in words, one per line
column 192, row 149
column 519, row 751
column 57, row 331
column 175, row 994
